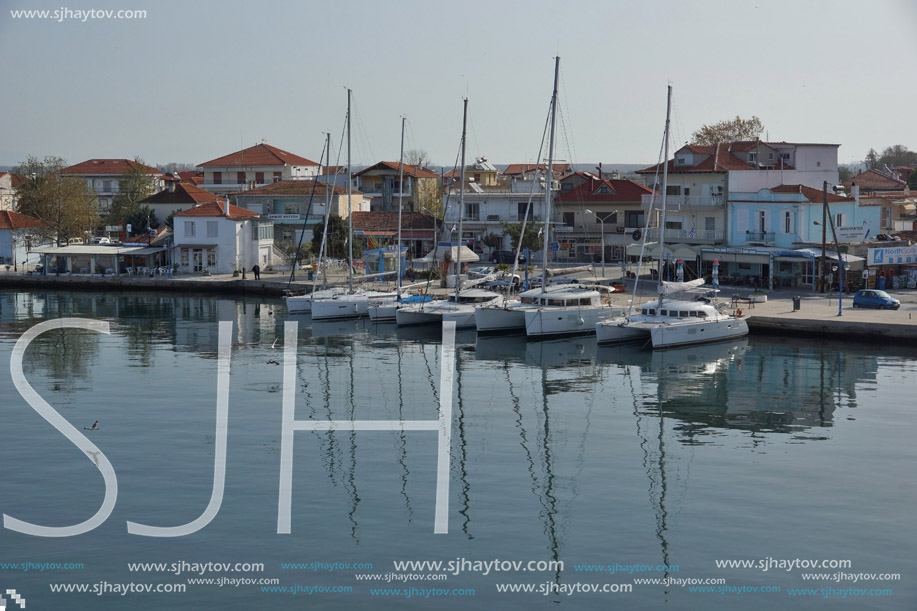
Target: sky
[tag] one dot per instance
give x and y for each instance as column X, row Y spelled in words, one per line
column 191, row 81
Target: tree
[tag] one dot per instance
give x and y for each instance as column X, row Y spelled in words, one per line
column 337, row 239
column 135, row 185
column 64, row 203
column 844, row 173
column 417, row 157
column 532, row 240
column 141, row 219
column 429, row 194
column 729, row 131
column 872, row 159
column 897, row 155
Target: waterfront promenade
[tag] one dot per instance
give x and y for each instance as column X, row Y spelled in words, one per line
column 817, row 314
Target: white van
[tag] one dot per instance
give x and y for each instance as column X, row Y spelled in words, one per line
column 74, row 241
column 100, row 241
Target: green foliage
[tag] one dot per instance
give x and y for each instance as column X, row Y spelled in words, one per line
column 872, row 159
column 897, row 155
column 135, row 185
column 531, row 239
column 64, row 203
column 337, row 239
column 733, row 130
column 141, row 219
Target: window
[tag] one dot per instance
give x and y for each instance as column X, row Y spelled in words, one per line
column 680, row 161
column 710, row 223
column 785, row 156
column 753, row 157
column 569, row 219
column 521, row 209
column 184, row 256
column 770, row 156
column 607, row 217
column 218, row 178
column 839, row 220
column 787, row 222
column 189, row 229
column 240, row 178
column 211, row 257
column 762, row 221
column 472, row 211
column 278, row 177
column 673, row 190
column 259, row 178
column 211, row 229
column 106, row 186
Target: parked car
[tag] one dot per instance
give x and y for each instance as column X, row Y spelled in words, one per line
column 873, row 298
column 505, row 256
column 100, row 241
column 480, row 272
column 74, row 241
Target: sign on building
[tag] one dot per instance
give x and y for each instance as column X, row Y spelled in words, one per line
column 892, row 255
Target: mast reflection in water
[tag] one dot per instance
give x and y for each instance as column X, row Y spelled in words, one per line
column 619, row 463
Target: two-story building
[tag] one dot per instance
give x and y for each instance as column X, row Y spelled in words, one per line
column 380, row 184
column 297, row 205
column 221, row 238
column 255, row 167
column 177, row 196
column 8, row 184
column 105, row 176
column 596, row 210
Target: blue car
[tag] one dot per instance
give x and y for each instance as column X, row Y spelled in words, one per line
column 871, row 298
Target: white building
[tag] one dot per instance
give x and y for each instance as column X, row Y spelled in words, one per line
column 221, row 238
column 254, row 167
column 19, row 234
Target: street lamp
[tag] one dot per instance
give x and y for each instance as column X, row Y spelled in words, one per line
column 602, row 224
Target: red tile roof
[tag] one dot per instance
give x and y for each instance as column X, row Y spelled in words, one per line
column 108, row 167
column 622, row 191
column 259, row 155
column 409, row 170
column 184, row 193
column 816, row 196
column 719, row 159
column 215, row 209
column 388, row 221
column 875, row 180
column 14, row 220
column 517, row 169
column 296, row 187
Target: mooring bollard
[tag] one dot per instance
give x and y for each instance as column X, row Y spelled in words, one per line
column 796, row 303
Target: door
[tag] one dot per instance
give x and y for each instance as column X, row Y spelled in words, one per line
column 197, row 260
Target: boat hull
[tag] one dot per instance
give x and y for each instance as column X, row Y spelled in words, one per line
column 346, row 306
column 698, row 332
column 496, row 320
column 559, row 321
column 619, row 331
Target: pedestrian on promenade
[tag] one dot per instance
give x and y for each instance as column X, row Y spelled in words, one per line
column 257, row 271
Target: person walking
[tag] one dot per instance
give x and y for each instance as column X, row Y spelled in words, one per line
column 257, row 271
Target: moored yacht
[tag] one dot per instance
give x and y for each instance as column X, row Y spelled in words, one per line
column 458, row 307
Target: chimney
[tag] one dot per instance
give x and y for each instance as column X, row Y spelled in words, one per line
column 226, row 206
column 600, row 171
column 172, row 186
column 855, row 191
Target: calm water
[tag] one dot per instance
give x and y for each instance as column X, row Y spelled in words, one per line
column 659, row 464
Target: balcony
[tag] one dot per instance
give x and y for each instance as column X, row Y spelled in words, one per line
column 768, row 238
column 695, row 236
column 685, row 202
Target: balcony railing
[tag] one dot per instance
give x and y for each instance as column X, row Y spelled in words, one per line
column 682, row 235
column 767, row 237
column 685, row 202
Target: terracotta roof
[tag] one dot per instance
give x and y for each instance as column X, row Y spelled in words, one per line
column 14, row 220
column 215, row 209
column 874, row 180
column 108, row 167
column 259, row 155
column 719, row 159
column 388, row 221
column 296, row 187
column 409, row 170
column 816, row 196
column 621, row 190
column 517, row 169
column 184, row 193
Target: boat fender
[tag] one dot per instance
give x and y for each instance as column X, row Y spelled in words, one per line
column 739, row 313
column 580, row 321
column 882, row 273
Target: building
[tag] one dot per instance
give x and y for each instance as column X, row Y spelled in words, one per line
column 19, row 234
column 105, row 177
column 380, row 184
column 8, row 184
column 294, row 204
column 177, row 196
column 255, row 167
column 380, row 230
column 220, row 238
column 595, row 210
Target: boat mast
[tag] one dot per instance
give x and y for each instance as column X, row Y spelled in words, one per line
column 458, row 257
column 323, row 253
column 349, row 210
column 400, row 202
column 665, row 187
column 549, row 181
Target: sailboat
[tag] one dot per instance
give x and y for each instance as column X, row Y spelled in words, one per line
column 459, row 306
column 568, row 309
column 674, row 321
column 301, row 303
column 354, row 302
column 382, row 309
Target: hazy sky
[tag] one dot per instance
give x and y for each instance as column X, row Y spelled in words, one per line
column 197, row 80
